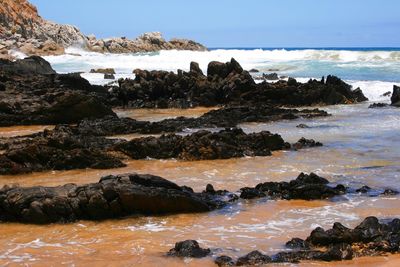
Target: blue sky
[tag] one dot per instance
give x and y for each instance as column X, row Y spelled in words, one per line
column 237, row 23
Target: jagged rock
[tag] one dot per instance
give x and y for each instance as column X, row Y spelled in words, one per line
column 228, row 84
column 254, row 71
column 396, row 96
column 306, row 143
column 36, row 95
column 271, row 76
column 203, row 145
column 305, row 187
column 370, row 238
column 111, row 197
column 59, row 149
column 387, row 94
column 189, row 249
column 253, row 258
column 221, row 118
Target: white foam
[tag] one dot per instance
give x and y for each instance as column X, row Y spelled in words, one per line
column 374, row 90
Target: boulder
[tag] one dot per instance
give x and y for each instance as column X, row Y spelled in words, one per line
column 396, row 96
column 189, row 249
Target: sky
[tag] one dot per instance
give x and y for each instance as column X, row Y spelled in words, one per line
column 237, row 23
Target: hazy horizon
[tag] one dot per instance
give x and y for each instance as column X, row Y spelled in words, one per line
column 255, row 23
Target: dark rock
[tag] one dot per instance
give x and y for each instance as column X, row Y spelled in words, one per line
column 364, row 189
column 305, row 187
column 204, row 145
column 189, row 249
column 30, row 65
column 195, row 68
column 109, row 76
column 34, row 96
column 222, row 261
column 59, row 149
column 228, row 84
column 254, row 71
column 112, row 197
column 396, row 96
column 303, row 126
column 297, row 243
column 306, row 143
column 378, row 105
column 253, row 258
column 387, row 94
column 390, row 192
column 271, row 76
column 250, row 193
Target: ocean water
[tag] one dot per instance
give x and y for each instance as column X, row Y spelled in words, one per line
column 374, row 70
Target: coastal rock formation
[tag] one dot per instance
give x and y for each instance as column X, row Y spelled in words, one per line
column 32, row 93
column 111, row 197
column 58, row 149
column 204, row 145
column 396, row 96
column 221, row 118
column 21, row 28
column 137, row 194
column 227, row 84
column 148, row 42
column 370, row 238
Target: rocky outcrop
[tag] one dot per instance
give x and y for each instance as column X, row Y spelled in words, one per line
column 204, row 145
column 111, row 197
column 148, row 42
column 21, row 28
column 221, row 118
column 227, row 84
column 32, row 93
column 396, row 96
column 58, row 149
column 370, row 238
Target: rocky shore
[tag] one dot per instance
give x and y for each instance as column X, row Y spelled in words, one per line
column 227, row 84
column 136, row 194
column 23, row 29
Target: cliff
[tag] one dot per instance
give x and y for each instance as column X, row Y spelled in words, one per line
column 23, row 29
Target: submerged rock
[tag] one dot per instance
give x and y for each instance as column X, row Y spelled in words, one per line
column 204, row 145
column 103, row 71
column 111, row 197
column 189, row 249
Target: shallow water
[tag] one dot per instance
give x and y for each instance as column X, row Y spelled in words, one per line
column 360, row 147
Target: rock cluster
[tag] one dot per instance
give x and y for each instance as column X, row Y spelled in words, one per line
column 148, row 42
column 21, row 28
column 204, row 145
column 227, row 84
column 111, row 197
column 32, row 93
column 136, row 194
column 189, row 249
column 58, row 149
column 370, row 238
